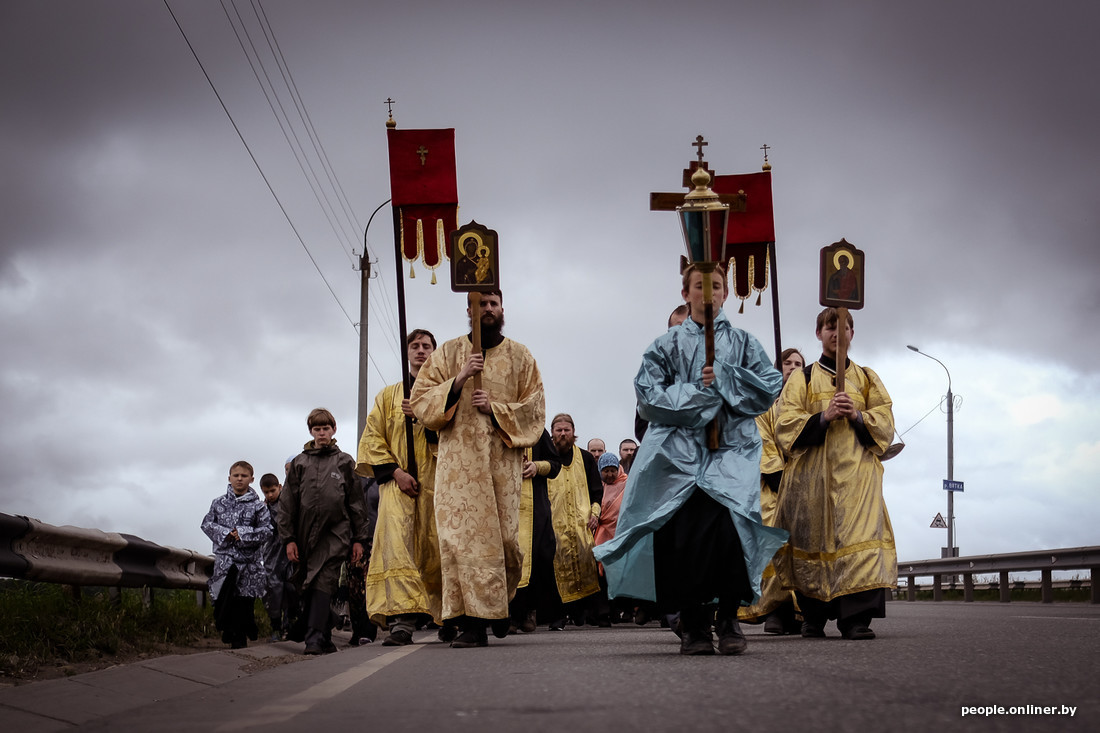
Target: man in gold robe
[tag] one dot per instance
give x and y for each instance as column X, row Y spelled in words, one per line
column 537, row 594
column 840, row 557
column 403, row 583
column 479, row 469
column 575, row 497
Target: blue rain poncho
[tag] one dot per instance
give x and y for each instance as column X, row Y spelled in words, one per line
column 673, row 458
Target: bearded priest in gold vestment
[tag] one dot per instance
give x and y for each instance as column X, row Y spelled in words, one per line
column 479, row 469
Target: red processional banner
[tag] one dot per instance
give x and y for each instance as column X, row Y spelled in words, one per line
column 424, row 188
column 750, row 232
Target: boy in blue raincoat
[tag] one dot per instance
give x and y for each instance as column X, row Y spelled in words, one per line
column 689, row 530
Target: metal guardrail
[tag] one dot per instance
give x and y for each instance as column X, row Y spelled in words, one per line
column 1043, row 561
column 33, row 550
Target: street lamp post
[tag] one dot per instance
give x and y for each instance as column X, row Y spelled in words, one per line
column 952, row 551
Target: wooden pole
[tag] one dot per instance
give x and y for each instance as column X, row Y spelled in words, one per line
column 708, row 341
column 775, row 299
column 841, row 346
column 475, row 332
column 406, row 382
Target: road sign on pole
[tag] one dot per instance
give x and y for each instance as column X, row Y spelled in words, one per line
column 938, row 522
column 949, row 485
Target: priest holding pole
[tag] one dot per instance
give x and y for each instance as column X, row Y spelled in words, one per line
column 483, row 394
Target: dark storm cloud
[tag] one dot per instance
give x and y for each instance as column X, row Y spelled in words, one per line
column 161, row 319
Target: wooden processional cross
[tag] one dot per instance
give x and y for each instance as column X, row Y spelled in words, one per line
column 475, row 269
column 671, row 201
column 842, row 286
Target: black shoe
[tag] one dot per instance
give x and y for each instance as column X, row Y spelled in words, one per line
column 529, row 624
column 813, row 630
column 447, row 632
column 328, row 648
column 470, row 639
column 856, row 628
column 641, row 617
column 500, row 627
column 558, row 625
column 313, row 650
column 398, row 637
column 696, row 643
column 773, row 624
column 730, row 638
column 858, row 633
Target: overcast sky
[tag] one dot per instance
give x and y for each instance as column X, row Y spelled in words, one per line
column 161, row 317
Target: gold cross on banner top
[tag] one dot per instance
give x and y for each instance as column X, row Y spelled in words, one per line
column 423, row 153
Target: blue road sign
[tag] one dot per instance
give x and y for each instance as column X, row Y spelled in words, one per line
column 952, row 485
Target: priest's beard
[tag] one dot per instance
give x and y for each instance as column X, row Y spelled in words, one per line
column 563, row 444
column 491, row 330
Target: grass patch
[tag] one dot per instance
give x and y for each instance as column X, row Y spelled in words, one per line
column 44, row 624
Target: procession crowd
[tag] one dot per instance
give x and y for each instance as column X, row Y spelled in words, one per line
column 752, row 494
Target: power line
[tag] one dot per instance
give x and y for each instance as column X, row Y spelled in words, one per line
column 303, row 110
column 382, row 303
column 257, row 163
column 296, row 147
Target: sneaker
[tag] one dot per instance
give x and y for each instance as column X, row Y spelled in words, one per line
column 398, row 637
column 470, row 639
column 730, row 639
column 558, row 625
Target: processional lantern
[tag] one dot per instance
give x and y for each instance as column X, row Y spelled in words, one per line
column 704, row 219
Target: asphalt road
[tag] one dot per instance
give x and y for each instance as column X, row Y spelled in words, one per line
column 930, row 661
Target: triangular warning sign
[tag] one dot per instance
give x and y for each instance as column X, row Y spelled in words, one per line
column 938, row 522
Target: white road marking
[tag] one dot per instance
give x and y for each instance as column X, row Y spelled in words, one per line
column 301, row 702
